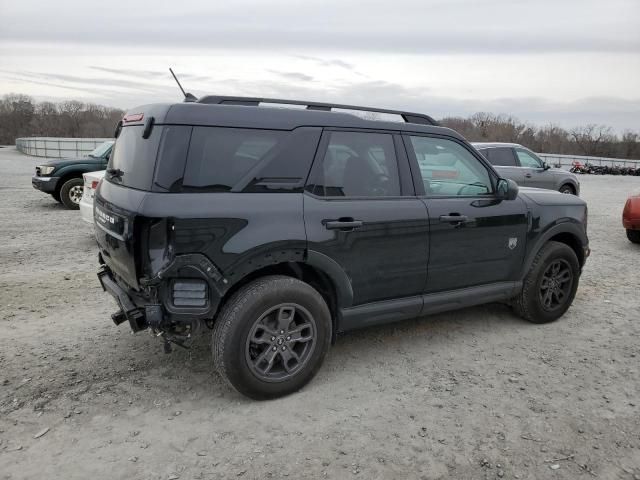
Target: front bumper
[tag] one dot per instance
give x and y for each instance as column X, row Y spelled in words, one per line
column 45, row 184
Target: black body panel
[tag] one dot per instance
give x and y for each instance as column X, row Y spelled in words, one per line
column 178, row 253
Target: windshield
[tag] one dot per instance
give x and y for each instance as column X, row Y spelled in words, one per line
column 101, row 150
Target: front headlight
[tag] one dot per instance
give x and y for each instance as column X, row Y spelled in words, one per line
column 46, row 169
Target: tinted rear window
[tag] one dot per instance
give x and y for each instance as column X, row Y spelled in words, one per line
column 248, row 160
column 219, row 157
column 500, row 156
column 134, row 157
column 214, row 159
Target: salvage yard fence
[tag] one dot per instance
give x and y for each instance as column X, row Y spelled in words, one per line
column 54, row 147
column 565, row 161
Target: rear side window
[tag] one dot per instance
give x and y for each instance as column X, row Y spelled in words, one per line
column 134, row 158
column 358, row 164
column 249, row 160
column 502, row 157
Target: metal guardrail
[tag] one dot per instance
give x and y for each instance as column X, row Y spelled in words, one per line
column 567, row 160
column 54, row 147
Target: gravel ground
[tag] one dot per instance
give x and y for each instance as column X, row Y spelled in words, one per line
column 474, row 394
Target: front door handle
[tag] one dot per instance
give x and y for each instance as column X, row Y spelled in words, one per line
column 343, row 224
column 527, row 175
column 454, row 218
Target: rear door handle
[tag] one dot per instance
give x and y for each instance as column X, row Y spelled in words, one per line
column 453, row 218
column 527, row 175
column 343, row 224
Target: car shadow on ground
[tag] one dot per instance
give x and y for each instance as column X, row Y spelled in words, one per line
column 359, row 349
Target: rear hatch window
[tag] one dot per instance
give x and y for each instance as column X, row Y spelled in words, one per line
column 133, row 159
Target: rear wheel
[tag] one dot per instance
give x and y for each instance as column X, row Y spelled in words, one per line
column 271, row 337
column 71, row 193
column 568, row 189
column 550, row 284
column 633, row 236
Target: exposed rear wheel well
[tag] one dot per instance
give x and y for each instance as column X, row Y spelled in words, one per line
column 302, row 271
column 573, row 242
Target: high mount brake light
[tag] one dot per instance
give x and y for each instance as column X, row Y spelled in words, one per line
column 133, row 117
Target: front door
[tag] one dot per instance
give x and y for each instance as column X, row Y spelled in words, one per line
column 475, row 239
column 361, row 212
column 535, row 174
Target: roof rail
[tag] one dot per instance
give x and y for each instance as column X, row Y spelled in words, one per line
column 327, row 107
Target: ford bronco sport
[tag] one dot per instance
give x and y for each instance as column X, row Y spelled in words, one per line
column 277, row 228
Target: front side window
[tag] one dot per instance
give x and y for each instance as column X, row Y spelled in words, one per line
column 358, row 164
column 449, row 169
column 527, row 159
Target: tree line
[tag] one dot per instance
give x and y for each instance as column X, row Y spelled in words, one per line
column 21, row 116
column 592, row 140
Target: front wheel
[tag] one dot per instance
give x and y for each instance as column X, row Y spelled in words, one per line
column 550, row 284
column 271, row 337
column 71, row 193
column 633, row 235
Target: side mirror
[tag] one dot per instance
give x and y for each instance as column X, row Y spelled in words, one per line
column 545, row 166
column 506, row 189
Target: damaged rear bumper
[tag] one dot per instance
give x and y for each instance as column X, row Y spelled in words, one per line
column 139, row 316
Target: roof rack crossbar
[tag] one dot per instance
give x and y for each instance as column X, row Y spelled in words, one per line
column 408, row 117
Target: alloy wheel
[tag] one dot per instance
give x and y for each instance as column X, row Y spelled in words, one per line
column 556, row 284
column 280, row 342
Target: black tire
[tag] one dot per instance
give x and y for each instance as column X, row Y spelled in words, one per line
column 530, row 304
column 69, row 193
column 633, row 236
column 567, row 188
column 237, row 357
column 56, row 196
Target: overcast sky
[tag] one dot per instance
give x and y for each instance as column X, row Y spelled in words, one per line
column 568, row 62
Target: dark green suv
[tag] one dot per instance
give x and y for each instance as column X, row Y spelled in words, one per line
column 273, row 229
column 62, row 179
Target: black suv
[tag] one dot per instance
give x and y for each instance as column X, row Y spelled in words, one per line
column 277, row 228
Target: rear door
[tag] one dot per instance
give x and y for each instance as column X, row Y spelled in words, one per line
column 505, row 163
column 361, row 212
column 475, row 239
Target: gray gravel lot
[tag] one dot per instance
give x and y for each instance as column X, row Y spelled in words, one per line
column 474, row 394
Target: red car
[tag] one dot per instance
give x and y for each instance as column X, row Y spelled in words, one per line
column 631, row 218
